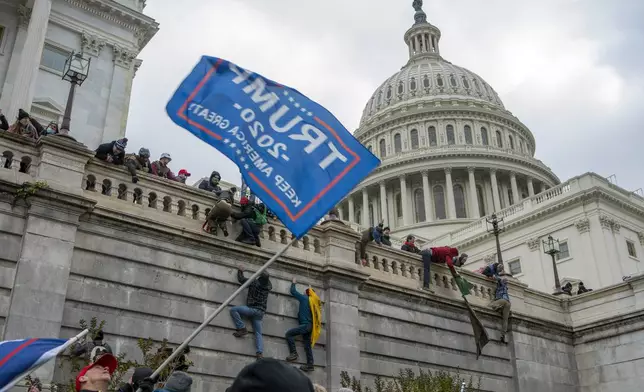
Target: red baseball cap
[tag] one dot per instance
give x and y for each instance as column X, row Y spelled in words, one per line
column 107, row 360
column 184, row 172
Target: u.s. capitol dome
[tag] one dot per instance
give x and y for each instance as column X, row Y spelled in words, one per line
column 450, row 151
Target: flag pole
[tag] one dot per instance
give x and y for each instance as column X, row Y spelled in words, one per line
column 219, row 310
column 62, row 349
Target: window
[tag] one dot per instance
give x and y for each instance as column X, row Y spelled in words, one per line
column 452, row 81
column 630, row 245
column 383, row 148
column 413, row 135
column 371, row 217
column 521, row 146
column 515, row 267
column 412, row 84
column 53, row 58
column 499, row 139
column 468, row 135
column 432, row 136
column 380, row 98
column 466, row 83
column 426, row 82
column 389, row 92
column 484, row 138
column 459, row 201
column 479, row 196
column 439, row 202
column 450, row 135
column 358, row 217
column 511, row 140
column 401, row 88
column 439, row 81
column 564, row 251
column 397, row 143
column 476, row 85
column 399, row 210
column 420, row 205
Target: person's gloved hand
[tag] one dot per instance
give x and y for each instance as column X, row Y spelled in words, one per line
column 147, row 385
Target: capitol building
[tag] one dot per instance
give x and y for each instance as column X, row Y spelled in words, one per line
column 452, row 155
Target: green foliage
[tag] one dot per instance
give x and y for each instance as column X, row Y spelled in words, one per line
column 152, row 357
column 408, row 381
column 25, row 191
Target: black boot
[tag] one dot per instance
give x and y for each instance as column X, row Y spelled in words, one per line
column 292, row 357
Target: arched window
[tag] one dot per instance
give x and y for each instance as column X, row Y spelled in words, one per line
column 439, row 80
column 413, row 135
column 466, row 83
column 420, row 205
column 468, row 135
column 459, row 201
column 432, row 137
column 372, row 219
column 521, row 146
column 412, row 84
column 499, row 139
column 426, row 82
column 383, row 148
column 476, row 85
column 511, row 141
column 439, row 202
column 389, row 92
column 397, row 143
column 484, row 138
column 401, row 88
column 450, row 135
column 452, row 81
column 399, row 210
column 479, row 196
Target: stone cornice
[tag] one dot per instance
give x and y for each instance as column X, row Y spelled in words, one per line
column 92, row 44
column 142, row 25
column 467, row 111
column 123, row 57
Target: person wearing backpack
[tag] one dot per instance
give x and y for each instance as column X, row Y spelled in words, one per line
column 252, row 219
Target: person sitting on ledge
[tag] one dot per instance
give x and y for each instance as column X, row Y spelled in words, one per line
column 112, row 152
column 582, row 289
column 252, row 219
column 501, row 303
column 440, row 255
column 136, row 162
column 52, row 129
column 26, row 126
column 371, row 234
column 410, row 245
column 220, row 212
column 4, row 124
column 160, row 168
column 386, row 236
column 567, row 288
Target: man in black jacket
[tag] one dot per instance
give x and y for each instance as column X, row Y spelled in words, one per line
column 410, row 245
column 254, row 310
column 252, row 218
column 113, row 152
column 212, row 185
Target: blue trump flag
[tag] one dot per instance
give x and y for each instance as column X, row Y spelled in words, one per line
column 294, row 154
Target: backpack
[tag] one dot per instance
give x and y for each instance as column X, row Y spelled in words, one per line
column 260, row 217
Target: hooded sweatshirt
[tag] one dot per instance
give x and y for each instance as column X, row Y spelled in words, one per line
column 304, row 315
column 208, row 185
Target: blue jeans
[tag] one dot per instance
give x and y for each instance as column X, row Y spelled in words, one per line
column 305, row 331
column 255, row 316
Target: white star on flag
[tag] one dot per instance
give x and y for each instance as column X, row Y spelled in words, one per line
column 246, row 167
column 242, row 159
column 226, row 141
column 238, row 152
column 233, row 145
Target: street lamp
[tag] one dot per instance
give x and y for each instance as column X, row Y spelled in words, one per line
column 75, row 72
column 551, row 247
column 494, row 225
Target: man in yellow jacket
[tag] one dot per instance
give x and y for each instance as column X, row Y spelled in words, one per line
column 310, row 324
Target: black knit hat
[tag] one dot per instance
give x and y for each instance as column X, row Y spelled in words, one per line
column 22, row 114
column 270, row 375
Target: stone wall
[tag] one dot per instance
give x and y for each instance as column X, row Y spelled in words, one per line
column 94, row 244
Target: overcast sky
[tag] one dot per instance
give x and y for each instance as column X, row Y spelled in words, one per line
column 571, row 70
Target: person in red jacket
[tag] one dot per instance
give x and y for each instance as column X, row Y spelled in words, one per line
column 439, row 255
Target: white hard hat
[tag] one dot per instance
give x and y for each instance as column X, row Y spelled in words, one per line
column 166, row 155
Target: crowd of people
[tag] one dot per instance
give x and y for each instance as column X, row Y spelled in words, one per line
column 29, row 127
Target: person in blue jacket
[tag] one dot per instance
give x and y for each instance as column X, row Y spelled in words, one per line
column 305, row 319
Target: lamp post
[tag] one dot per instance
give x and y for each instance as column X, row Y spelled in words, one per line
column 551, row 247
column 495, row 226
column 75, row 72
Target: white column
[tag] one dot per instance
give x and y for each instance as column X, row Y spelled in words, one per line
column 495, row 190
column 451, row 206
column 23, row 87
column 403, row 198
column 383, row 203
column 352, row 210
column 120, row 90
column 341, row 212
column 365, row 208
column 474, row 201
column 530, row 187
column 515, row 189
column 429, row 208
column 417, row 44
column 542, row 188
